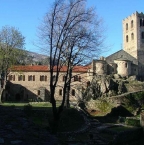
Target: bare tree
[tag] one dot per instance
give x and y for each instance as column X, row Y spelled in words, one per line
column 11, row 50
column 73, row 35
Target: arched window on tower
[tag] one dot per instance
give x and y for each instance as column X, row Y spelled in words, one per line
column 132, row 23
column 142, row 35
column 126, row 38
column 132, row 36
column 141, row 22
column 126, row 26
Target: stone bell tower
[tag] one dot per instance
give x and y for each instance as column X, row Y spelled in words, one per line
column 133, row 38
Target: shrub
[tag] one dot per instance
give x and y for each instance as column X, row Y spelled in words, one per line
column 132, row 122
column 104, row 106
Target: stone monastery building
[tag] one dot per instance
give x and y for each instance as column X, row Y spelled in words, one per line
column 31, row 82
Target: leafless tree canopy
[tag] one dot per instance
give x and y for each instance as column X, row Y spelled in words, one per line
column 70, row 27
column 72, row 34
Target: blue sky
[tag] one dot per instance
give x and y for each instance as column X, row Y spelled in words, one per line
column 26, row 15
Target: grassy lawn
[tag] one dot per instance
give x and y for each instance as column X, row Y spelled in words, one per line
column 35, row 105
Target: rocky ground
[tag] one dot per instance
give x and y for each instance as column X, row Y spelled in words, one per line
column 16, row 129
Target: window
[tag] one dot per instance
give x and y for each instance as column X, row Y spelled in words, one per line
column 73, row 92
column 126, row 38
column 60, row 92
column 126, row 65
column 31, row 78
column 11, row 78
column 54, row 77
column 88, row 83
column 126, row 26
column 142, row 35
column 141, row 22
column 38, row 92
column 79, row 78
column 132, row 36
column 21, row 78
column 63, row 78
column 43, row 78
column 76, row 78
column 132, row 24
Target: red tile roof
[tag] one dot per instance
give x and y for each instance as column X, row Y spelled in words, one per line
column 44, row 68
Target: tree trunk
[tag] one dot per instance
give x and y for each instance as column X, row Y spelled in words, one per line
column 67, row 104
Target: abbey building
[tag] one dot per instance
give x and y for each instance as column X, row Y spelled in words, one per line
column 130, row 60
column 32, row 82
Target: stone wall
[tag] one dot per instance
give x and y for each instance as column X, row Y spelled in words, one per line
column 32, row 89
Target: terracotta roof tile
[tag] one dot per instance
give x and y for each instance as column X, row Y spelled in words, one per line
column 44, row 68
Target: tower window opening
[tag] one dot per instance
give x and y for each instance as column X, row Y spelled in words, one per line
column 126, row 26
column 126, row 38
column 132, row 24
column 141, row 22
column 132, row 36
column 142, row 35
column 126, row 65
column 60, row 92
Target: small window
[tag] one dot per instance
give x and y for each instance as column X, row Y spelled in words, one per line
column 33, row 77
column 126, row 65
column 88, row 83
column 79, row 78
column 73, row 92
column 141, row 22
column 63, row 78
column 142, row 35
column 10, row 77
column 132, row 36
column 38, row 92
column 43, row 78
column 20, row 78
column 76, row 78
column 126, row 38
column 54, row 77
column 126, row 26
column 13, row 77
column 23, row 77
column 30, row 78
column 60, row 92
column 132, row 24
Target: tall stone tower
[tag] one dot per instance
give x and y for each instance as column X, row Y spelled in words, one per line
column 133, row 38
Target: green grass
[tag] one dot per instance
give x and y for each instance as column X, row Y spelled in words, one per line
column 121, row 128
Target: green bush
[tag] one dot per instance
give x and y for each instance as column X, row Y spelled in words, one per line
column 132, row 122
column 28, row 109
column 104, row 106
